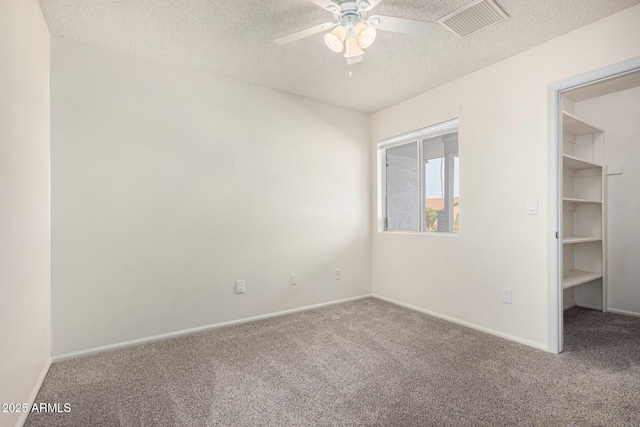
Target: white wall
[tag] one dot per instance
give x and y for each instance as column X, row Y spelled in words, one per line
column 169, row 184
column 24, row 202
column 503, row 162
column 618, row 115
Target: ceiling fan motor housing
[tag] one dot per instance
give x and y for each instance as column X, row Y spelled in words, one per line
column 347, row 5
column 349, row 21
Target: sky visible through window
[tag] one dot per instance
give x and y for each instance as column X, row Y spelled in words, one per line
column 433, row 178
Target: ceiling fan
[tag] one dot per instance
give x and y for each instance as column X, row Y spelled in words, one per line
column 353, row 31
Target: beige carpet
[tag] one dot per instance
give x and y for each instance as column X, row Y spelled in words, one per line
column 361, row 363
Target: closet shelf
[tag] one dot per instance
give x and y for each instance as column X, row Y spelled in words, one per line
column 583, row 215
column 570, row 240
column 573, row 278
column 573, row 125
column 570, row 162
column 572, row 200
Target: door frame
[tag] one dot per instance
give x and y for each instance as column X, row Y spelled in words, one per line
column 554, row 245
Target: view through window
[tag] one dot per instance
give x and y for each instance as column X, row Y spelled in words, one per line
column 421, row 180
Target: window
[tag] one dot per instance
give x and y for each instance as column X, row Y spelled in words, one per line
column 421, row 190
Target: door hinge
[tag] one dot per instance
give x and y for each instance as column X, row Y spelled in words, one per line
column 557, row 234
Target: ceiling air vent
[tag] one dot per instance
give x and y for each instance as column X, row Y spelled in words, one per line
column 473, row 17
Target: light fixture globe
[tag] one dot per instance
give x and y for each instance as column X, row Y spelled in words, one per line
column 358, row 28
column 367, row 37
column 333, row 42
column 352, row 48
column 335, row 39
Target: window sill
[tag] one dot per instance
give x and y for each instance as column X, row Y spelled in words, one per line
column 418, row 233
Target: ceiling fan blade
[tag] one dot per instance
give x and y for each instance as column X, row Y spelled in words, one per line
column 305, row 33
column 402, row 25
column 326, row 4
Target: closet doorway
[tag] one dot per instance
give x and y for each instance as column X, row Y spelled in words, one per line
column 594, row 131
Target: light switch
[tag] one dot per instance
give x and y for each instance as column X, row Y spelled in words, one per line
column 506, row 296
column 532, row 207
column 240, row 286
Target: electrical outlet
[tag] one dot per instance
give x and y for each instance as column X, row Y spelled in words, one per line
column 239, row 286
column 338, row 275
column 506, row 296
column 294, row 279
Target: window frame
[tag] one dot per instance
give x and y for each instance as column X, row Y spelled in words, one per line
column 416, row 137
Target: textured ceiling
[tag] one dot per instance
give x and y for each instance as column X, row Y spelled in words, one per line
column 234, row 39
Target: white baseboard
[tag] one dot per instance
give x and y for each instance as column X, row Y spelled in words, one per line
column 610, row 310
column 568, row 306
column 529, row 343
column 625, row 312
column 34, row 392
column 160, row 337
column 590, row 307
